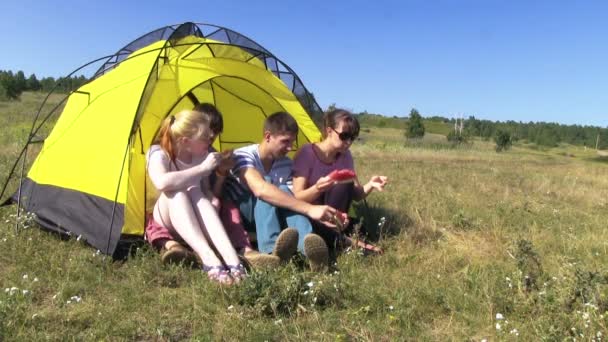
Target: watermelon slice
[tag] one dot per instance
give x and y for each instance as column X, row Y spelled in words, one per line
column 343, row 176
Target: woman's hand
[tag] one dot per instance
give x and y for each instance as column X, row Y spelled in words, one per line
column 377, row 182
column 324, row 184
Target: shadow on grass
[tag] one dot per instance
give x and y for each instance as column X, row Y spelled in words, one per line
column 379, row 222
column 598, row 159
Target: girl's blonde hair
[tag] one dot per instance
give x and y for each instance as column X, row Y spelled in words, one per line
column 187, row 123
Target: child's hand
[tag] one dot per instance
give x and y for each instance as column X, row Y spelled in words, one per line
column 211, row 162
column 378, row 182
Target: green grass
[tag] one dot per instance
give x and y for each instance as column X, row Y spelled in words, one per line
column 469, row 234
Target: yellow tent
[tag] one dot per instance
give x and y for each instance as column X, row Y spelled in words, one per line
column 89, row 177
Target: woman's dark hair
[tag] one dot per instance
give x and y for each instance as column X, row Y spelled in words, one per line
column 216, row 122
column 332, row 118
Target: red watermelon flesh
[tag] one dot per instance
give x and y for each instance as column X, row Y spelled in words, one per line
column 344, row 175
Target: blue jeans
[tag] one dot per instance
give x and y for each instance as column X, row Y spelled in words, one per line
column 268, row 220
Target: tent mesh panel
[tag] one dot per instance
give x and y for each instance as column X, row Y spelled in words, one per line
column 175, row 32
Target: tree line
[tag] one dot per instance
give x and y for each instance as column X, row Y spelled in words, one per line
column 13, row 84
column 547, row 134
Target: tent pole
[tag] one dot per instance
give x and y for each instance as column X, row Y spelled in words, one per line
column 122, row 168
column 19, row 192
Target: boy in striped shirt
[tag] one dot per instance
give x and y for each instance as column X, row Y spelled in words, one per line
column 259, row 186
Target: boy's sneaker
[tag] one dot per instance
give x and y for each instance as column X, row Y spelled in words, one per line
column 286, row 245
column 317, row 253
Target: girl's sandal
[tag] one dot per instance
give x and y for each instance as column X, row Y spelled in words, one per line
column 366, row 247
column 237, row 272
column 218, row 274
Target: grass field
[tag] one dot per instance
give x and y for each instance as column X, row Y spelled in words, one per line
column 479, row 245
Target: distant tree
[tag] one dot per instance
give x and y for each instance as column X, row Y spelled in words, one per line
column 3, row 95
column 47, row 83
column 33, row 84
column 20, row 81
column 457, row 137
column 8, row 83
column 503, row 140
column 415, row 127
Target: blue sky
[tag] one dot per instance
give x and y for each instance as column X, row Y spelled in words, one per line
column 497, row 60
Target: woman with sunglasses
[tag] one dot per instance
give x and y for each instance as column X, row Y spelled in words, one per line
column 311, row 183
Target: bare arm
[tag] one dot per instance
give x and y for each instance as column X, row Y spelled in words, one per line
column 166, row 180
column 219, row 184
column 375, row 183
column 309, row 194
column 221, row 173
column 275, row 196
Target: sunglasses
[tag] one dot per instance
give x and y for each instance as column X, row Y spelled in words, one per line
column 345, row 135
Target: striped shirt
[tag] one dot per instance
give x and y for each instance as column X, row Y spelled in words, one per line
column 249, row 157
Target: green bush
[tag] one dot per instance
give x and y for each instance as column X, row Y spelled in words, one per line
column 415, row 127
column 503, row 141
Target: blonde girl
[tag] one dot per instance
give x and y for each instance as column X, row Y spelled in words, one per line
column 179, row 165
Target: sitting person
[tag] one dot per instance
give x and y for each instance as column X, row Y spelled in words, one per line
column 179, row 166
column 172, row 251
column 259, row 187
column 311, row 183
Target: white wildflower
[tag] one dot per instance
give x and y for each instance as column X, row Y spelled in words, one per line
column 278, row 321
column 25, row 292
column 514, row 332
column 311, row 284
column 24, row 276
column 499, row 316
column 305, row 292
column 231, row 307
column 391, row 307
column 35, row 279
column 497, row 326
